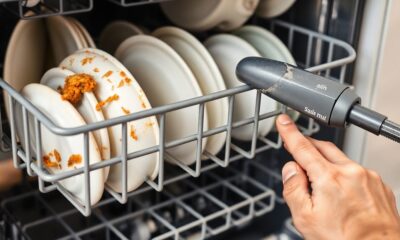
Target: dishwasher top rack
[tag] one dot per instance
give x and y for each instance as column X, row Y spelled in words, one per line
column 46, row 8
column 317, row 46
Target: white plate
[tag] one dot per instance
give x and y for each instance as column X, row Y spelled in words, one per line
column 115, row 33
column 273, row 8
column 269, row 46
column 89, row 42
column 25, row 56
column 166, row 79
column 207, row 74
column 64, row 38
column 131, row 99
column 55, row 78
column 200, row 15
column 65, row 115
column 227, row 50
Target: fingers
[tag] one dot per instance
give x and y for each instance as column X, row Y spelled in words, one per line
column 304, row 152
column 330, row 151
column 295, row 188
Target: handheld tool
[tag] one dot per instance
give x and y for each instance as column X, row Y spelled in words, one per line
column 320, row 98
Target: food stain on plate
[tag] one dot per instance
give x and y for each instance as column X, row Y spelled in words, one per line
column 110, row 99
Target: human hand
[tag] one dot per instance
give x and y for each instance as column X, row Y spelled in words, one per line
column 345, row 201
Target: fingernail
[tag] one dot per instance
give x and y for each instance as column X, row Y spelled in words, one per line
column 289, row 171
column 284, row 119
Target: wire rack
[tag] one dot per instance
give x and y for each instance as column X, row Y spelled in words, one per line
column 131, row 3
column 332, row 67
column 46, row 8
column 192, row 209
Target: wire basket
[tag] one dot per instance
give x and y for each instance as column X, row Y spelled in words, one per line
column 24, row 158
column 46, row 8
column 131, row 3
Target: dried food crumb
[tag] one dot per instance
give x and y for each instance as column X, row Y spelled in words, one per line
column 128, row 80
column 87, row 60
column 101, row 104
column 107, row 74
column 57, row 155
column 74, row 159
column 126, row 111
column 133, row 133
column 75, row 85
column 96, row 70
column 122, row 74
column 120, row 84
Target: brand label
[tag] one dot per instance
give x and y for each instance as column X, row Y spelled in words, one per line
column 314, row 113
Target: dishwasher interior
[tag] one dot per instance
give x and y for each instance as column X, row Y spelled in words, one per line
column 236, row 193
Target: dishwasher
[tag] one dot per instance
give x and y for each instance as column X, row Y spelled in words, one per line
column 235, row 194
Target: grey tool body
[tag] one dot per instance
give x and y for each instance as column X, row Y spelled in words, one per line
column 320, row 98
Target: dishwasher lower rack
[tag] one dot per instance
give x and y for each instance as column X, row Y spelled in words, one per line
column 316, row 45
column 193, row 208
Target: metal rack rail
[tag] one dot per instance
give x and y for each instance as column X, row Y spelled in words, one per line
column 203, row 207
column 334, row 68
column 29, row 9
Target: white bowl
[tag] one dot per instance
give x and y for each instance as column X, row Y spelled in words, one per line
column 227, row 51
column 200, row 15
column 207, row 75
column 166, row 79
column 143, row 133
column 65, row 115
column 55, row 78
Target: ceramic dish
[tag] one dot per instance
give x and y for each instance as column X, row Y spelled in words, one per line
column 83, row 31
column 273, row 8
column 227, row 50
column 207, row 75
column 55, row 78
column 200, row 15
column 166, row 79
column 115, row 83
column 69, row 149
column 115, row 33
column 269, row 46
column 64, row 38
column 25, row 56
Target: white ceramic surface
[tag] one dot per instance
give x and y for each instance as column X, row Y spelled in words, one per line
column 55, row 78
column 273, row 8
column 109, row 75
column 200, row 15
column 115, row 33
column 207, row 75
column 65, row 115
column 25, row 56
column 227, row 50
column 64, row 38
column 269, row 46
column 166, row 79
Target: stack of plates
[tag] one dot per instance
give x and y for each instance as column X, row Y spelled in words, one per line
column 165, row 67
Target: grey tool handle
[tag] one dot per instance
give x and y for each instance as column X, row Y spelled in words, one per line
column 320, row 98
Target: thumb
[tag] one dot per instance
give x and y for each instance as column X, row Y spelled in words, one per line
column 295, row 188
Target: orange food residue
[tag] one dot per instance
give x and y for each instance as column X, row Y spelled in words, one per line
column 74, row 159
column 101, row 104
column 122, row 74
column 96, row 70
column 57, row 156
column 75, row 85
column 120, row 84
column 128, row 80
column 108, row 80
column 50, row 164
column 107, row 74
column 126, row 111
column 149, row 124
column 133, row 133
column 87, row 60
